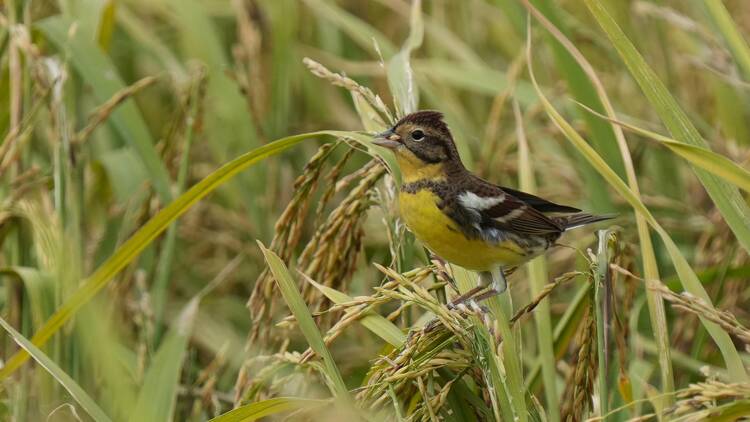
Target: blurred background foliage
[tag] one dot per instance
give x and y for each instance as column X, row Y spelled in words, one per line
column 112, row 109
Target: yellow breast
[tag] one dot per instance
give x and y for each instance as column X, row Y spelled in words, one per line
column 441, row 235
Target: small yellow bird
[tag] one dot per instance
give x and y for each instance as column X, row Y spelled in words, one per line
column 462, row 218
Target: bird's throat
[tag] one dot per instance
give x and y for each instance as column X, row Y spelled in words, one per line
column 413, row 169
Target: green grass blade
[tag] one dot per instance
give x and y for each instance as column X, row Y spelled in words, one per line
column 537, row 271
column 157, row 398
column 80, row 396
column 378, row 324
column 728, row 200
column 699, row 156
column 400, row 75
column 164, row 267
column 146, row 234
column 98, row 71
column 307, row 325
column 689, row 280
column 602, row 285
column 732, row 35
column 257, row 410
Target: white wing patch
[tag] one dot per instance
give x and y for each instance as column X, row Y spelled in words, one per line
column 475, row 202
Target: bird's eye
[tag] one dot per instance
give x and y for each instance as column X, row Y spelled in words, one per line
column 417, row 135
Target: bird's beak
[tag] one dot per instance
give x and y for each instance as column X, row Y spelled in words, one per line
column 388, row 139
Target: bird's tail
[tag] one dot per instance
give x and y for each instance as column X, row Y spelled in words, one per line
column 569, row 222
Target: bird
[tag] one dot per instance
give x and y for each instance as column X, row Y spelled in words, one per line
column 462, row 218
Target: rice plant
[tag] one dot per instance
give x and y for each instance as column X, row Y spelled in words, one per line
column 196, row 225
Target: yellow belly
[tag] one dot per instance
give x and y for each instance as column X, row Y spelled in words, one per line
column 441, row 235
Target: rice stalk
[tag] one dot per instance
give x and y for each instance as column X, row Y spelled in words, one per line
column 349, row 84
column 287, row 236
column 577, row 397
column 102, row 113
column 331, row 255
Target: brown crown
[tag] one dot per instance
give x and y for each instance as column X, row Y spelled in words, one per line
column 428, row 118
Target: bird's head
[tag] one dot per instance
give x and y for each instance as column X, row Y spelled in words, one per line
column 421, row 141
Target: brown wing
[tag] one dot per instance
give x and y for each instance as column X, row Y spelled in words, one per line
column 495, row 208
column 540, row 204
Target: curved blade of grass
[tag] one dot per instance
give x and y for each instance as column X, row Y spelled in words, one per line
column 378, row 324
column 696, row 155
column 257, row 410
column 80, row 396
column 689, row 280
column 157, row 398
column 400, row 74
column 657, row 315
column 293, row 298
column 146, row 234
column 727, row 198
column 710, row 161
column 98, row 71
column 537, row 271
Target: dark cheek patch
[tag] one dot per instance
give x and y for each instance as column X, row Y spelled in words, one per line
column 427, row 153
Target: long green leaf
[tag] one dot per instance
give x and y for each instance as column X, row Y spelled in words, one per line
column 80, row 396
column 727, row 198
column 146, row 234
column 257, row 410
column 602, row 286
column 307, row 325
column 689, row 280
column 698, row 156
column 98, row 71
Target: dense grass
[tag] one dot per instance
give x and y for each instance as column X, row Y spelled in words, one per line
column 152, row 148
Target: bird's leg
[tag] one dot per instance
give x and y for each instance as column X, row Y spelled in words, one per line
column 499, row 284
column 485, row 279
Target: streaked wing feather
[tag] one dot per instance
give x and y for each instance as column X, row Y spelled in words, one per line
column 499, row 209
